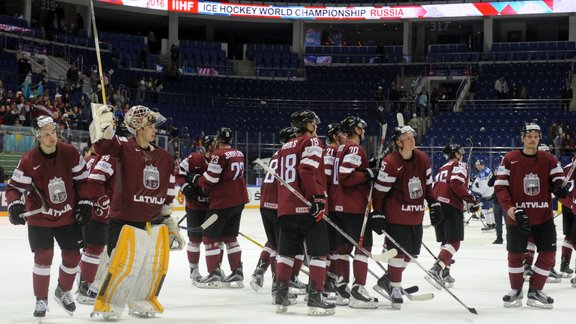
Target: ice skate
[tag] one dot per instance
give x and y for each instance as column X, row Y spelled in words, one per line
column 291, row 296
column 281, row 298
column 565, row 270
column 317, row 306
column 41, row 308
column 513, row 298
column 297, row 286
column 65, row 299
column 211, row 281
column 359, row 298
column 86, row 293
column 448, row 279
column 489, row 228
column 330, row 287
column 554, row 277
column 342, row 292
column 434, row 276
column 195, row 275
column 257, row 280
column 141, row 308
column 234, row 280
column 537, row 298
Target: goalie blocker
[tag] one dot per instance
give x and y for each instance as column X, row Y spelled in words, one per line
column 102, row 125
column 135, row 275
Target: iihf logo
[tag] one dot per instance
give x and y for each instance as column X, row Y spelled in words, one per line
column 531, row 184
column 57, row 191
column 151, row 177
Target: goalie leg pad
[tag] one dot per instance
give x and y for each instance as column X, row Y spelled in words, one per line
column 125, row 264
column 144, row 298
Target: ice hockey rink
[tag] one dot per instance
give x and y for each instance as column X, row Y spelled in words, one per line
column 480, row 272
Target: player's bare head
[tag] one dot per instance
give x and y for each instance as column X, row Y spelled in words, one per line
column 332, row 135
column 452, row 150
column 224, row 136
column 305, row 121
column 139, row 117
column 287, row 134
column 43, row 126
column 403, row 135
column 353, row 126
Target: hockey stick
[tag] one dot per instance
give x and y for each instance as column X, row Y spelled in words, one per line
column 413, row 259
column 207, row 223
column 378, row 257
column 367, row 210
column 469, row 162
column 570, row 172
column 400, row 119
column 97, row 47
column 35, row 211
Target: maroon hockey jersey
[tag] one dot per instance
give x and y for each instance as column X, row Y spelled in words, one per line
column 224, row 179
column 401, row 187
column 301, row 165
column 52, row 179
column 526, row 181
column 100, row 181
column 451, row 184
column 144, row 179
column 350, row 186
column 194, row 163
column 269, row 190
column 329, row 156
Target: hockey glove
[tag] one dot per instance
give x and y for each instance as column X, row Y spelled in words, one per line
column 371, row 174
column 102, row 207
column 176, row 240
column 102, row 125
column 193, row 178
column 317, row 204
column 561, row 191
column 436, row 216
column 522, row 220
column 378, row 222
column 15, row 211
column 187, row 191
column 83, row 212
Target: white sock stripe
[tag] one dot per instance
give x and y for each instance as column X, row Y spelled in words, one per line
column 541, row 271
column 396, row 284
column 567, row 244
column 89, row 259
column 273, row 254
column 193, row 265
column 268, row 249
column 516, row 270
column 212, row 252
column 300, row 257
column 343, row 257
column 285, row 260
column 318, row 263
column 531, row 247
column 333, row 257
column 68, row 270
column 361, row 258
column 449, row 248
column 192, row 247
column 235, row 249
column 41, row 271
column 397, row 263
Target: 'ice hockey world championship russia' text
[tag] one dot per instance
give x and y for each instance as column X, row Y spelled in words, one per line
column 303, row 12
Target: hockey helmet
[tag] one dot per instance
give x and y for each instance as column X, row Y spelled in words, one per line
column 543, row 148
column 349, row 124
column 449, row 151
column 40, row 122
column 287, row 134
column 224, row 135
column 480, row 162
column 300, row 118
column 208, row 141
column 530, row 127
column 139, row 117
column 401, row 130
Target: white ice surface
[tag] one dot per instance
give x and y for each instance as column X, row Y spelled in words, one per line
column 480, row 272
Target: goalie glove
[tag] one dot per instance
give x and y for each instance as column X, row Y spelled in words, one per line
column 102, row 125
column 176, row 241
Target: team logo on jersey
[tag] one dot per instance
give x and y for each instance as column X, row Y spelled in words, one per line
column 531, row 184
column 151, row 177
column 415, row 188
column 57, row 191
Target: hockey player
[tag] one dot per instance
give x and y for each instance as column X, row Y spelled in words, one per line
column 99, row 186
column 484, row 193
column 197, row 200
column 403, row 184
column 224, row 180
column 498, row 214
column 143, row 194
column 568, row 227
column 450, row 189
column 350, row 186
column 301, row 165
column 48, row 183
column 526, row 178
column 268, row 212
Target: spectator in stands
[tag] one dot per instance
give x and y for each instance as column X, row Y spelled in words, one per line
column 173, row 73
column 11, row 116
column 94, row 78
column 141, row 88
column 422, row 103
column 118, row 98
column 567, row 144
column 72, row 76
column 3, row 93
column 379, row 98
column 2, row 112
column 394, row 97
column 152, row 43
column 523, row 93
column 24, row 67
column 501, row 87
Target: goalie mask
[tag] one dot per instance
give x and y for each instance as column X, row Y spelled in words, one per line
column 287, row 134
column 41, row 122
column 449, row 151
column 139, row 117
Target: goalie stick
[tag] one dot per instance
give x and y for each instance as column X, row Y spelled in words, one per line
column 207, row 223
column 378, row 257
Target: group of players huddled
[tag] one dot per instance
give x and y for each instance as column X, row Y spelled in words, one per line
column 319, row 203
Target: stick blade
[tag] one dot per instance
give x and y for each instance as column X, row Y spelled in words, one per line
column 385, row 256
column 213, row 218
column 400, row 119
column 472, row 310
